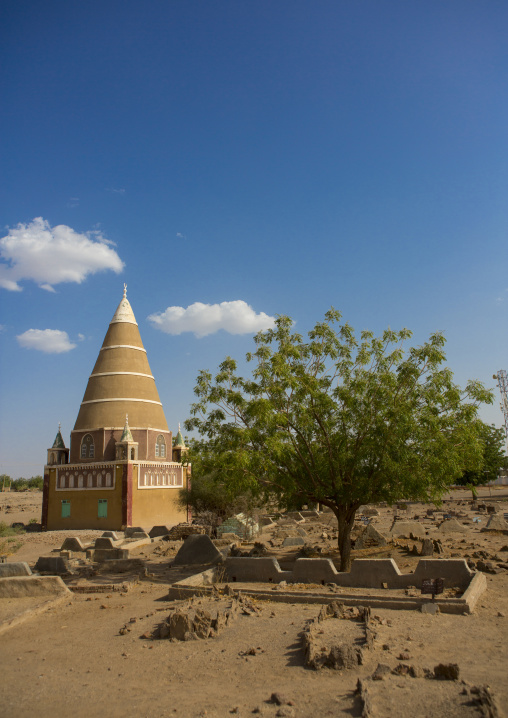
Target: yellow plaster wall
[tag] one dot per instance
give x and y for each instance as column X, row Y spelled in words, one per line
column 122, row 360
column 122, row 333
column 155, row 507
column 84, row 506
column 92, row 416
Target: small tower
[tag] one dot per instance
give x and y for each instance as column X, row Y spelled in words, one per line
column 179, row 447
column 58, row 454
column 127, row 448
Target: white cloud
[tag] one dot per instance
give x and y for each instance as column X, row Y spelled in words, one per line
column 51, row 255
column 234, row 317
column 50, row 341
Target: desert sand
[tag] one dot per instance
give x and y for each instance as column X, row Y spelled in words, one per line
column 73, row 659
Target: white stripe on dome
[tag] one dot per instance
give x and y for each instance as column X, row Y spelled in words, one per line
column 98, row 401
column 123, row 346
column 114, row 373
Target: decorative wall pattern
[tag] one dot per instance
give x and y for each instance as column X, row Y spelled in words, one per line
column 160, row 477
column 81, row 478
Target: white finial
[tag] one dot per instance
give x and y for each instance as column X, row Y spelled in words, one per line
column 178, row 426
column 126, row 420
column 125, row 291
column 59, row 426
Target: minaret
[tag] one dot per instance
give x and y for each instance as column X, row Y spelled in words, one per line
column 178, row 446
column 58, row 454
column 127, row 448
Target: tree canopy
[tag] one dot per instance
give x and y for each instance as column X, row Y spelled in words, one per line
column 211, row 499
column 338, row 421
column 493, row 457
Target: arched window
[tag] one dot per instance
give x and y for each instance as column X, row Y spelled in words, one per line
column 108, row 479
column 62, row 482
column 71, row 481
column 80, row 481
column 89, row 481
column 87, row 447
column 160, row 447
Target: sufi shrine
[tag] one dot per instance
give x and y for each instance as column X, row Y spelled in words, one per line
column 122, row 468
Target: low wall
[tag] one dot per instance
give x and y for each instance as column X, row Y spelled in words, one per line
column 365, row 573
column 369, row 573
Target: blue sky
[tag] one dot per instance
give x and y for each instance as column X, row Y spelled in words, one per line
column 285, row 156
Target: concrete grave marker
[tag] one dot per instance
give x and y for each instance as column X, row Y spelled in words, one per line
column 197, row 549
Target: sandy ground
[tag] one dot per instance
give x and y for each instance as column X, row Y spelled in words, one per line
column 72, row 660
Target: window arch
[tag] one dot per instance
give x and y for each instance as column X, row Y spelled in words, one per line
column 160, row 447
column 87, row 447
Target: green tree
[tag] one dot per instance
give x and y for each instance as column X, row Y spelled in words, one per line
column 493, row 458
column 209, row 497
column 20, row 484
column 36, row 482
column 337, row 421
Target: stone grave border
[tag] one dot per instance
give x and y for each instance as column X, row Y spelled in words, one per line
column 365, row 573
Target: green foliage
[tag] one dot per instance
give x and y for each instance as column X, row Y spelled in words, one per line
column 21, row 484
column 493, row 457
column 6, row 530
column 337, row 420
column 36, row 482
column 210, row 498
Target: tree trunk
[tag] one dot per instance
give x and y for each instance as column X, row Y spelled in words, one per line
column 346, row 519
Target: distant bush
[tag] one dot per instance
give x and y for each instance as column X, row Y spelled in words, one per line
column 36, row 482
column 6, row 530
column 22, row 484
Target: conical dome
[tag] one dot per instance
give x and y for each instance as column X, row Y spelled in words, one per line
column 178, row 442
column 121, row 381
column 126, row 436
column 58, row 442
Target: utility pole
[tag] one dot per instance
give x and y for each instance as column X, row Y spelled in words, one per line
column 502, row 382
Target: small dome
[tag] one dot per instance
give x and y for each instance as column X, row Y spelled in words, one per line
column 126, row 436
column 178, row 443
column 58, row 442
